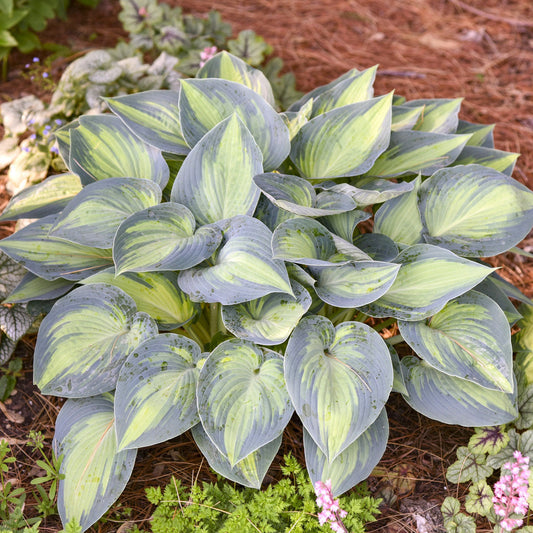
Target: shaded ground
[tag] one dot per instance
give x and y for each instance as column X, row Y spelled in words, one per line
column 479, row 49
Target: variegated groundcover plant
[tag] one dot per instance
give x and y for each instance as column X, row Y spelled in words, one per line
column 209, row 272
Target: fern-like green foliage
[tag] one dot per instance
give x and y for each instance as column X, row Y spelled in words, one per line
column 288, row 505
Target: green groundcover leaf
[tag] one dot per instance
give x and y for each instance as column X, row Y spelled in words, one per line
column 154, row 293
column 153, row 116
column 103, row 147
column 243, row 268
column 338, row 378
column 469, row 339
column 50, row 257
column 428, row 278
column 469, row 466
column 248, row 472
column 94, row 215
column 242, row 398
column 355, row 463
column 206, row 102
column 268, row 320
column 155, row 398
column 95, row 472
column 46, row 198
column 216, row 179
column 344, row 141
column 452, row 400
column 85, row 339
column 475, row 211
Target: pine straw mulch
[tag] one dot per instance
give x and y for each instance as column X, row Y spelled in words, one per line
column 479, row 49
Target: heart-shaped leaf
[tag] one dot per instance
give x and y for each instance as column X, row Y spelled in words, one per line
column 268, row 320
column 85, row 339
column 453, row 400
column 155, row 398
column 344, row 224
column 475, row 211
column 94, row 215
column 378, row 247
column 345, row 141
column 162, row 237
column 216, row 179
column 95, row 473
column 153, row 116
column 45, row 198
column 488, row 157
column 102, row 147
column 50, row 257
column 206, row 102
column 242, row 398
column 355, row 463
column 338, row 378
column 248, row 472
column 243, row 268
column 428, row 278
column 154, row 293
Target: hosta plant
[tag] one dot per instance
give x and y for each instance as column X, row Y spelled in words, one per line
column 212, row 272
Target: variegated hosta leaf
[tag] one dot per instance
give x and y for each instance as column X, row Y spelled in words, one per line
column 154, row 293
column 49, row 257
column 488, row 157
column 469, row 339
column 155, row 398
column 62, row 136
column 344, row 224
column 95, row 472
column 440, row 115
column 85, row 339
column 33, row 287
column 399, row 218
column 482, row 134
column 370, row 191
column 94, row 215
column 242, row 398
column 153, row 116
column 229, row 67
column 453, row 400
column 306, row 241
column 355, row 463
column 268, row 320
column 298, row 196
column 206, row 102
column 378, row 247
column 216, row 179
column 243, row 267
column 509, row 289
column 248, row 472
column 489, row 287
column 475, row 211
column 338, row 378
column 398, row 385
column 345, row 141
column 354, row 89
column 102, row 147
column 354, row 284
column 428, row 278
column 45, row 198
column 271, row 215
column 162, row 237
column 405, row 117
column 294, row 120
column 413, row 152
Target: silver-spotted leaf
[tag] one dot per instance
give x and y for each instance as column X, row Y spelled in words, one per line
column 469, row 466
column 338, row 378
column 85, row 339
column 242, row 398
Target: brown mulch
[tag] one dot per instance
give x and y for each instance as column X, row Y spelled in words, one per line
column 479, row 49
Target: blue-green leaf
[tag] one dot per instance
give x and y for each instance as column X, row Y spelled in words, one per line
column 482, row 134
column 488, row 157
column 33, row 287
column 440, row 115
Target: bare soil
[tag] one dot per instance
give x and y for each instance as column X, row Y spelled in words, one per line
column 481, row 50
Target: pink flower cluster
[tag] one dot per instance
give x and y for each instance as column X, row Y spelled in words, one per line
column 511, row 491
column 331, row 511
column 206, row 54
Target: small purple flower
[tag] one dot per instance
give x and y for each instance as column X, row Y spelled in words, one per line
column 31, row 121
column 33, row 136
column 54, row 149
column 27, row 65
column 36, row 60
column 45, row 74
column 26, row 148
column 58, row 121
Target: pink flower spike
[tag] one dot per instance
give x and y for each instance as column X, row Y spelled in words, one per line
column 142, row 12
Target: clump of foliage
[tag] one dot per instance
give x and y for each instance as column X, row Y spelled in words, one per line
column 21, row 20
column 490, row 448
column 288, row 505
column 164, row 46
column 213, row 275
